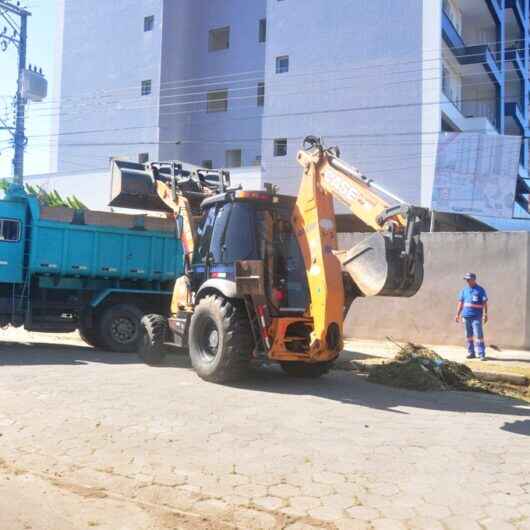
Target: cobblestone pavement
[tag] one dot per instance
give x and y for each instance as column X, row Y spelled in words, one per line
column 273, row 452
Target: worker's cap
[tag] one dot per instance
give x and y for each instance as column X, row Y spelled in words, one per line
column 470, row 276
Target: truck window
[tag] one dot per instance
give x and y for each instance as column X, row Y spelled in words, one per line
column 9, row 230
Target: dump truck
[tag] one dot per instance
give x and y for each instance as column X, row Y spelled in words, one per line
column 63, row 270
column 264, row 280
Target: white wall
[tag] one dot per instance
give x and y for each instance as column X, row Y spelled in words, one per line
column 363, row 90
column 106, row 55
column 186, row 60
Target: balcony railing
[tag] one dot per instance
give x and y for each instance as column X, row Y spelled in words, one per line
column 450, row 34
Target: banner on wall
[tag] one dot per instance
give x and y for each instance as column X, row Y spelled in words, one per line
column 476, row 174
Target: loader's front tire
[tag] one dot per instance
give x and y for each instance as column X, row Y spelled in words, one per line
column 154, row 335
column 306, row 370
column 220, row 340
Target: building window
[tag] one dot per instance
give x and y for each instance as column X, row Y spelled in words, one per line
column 143, row 158
column 233, row 158
column 146, row 87
column 149, row 23
column 262, row 30
column 207, row 164
column 217, row 101
column 261, row 94
column 219, row 39
column 282, row 64
column 280, row 147
column 9, row 230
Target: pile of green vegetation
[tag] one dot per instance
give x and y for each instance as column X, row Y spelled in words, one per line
column 418, row 368
column 51, row 199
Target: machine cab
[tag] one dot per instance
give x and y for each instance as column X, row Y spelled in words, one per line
column 12, row 215
column 252, row 226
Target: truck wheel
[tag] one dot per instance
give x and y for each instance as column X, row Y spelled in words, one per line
column 91, row 337
column 306, row 370
column 220, row 340
column 120, row 328
column 154, row 334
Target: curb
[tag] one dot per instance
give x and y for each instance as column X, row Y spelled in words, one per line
column 499, row 377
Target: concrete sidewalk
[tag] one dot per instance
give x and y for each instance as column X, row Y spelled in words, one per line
column 498, row 360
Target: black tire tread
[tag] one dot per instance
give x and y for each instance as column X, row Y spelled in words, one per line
column 152, row 347
column 238, row 339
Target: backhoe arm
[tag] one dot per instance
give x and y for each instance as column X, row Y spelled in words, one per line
column 387, row 263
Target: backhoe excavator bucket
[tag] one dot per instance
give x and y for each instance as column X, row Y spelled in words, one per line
column 134, row 187
column 379, row 265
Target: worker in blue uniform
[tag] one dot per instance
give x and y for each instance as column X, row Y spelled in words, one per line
column 473, row 309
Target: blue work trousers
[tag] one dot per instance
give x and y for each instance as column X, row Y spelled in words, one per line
column 475, row 336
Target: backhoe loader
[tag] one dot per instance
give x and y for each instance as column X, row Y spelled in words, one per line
column 264, row 278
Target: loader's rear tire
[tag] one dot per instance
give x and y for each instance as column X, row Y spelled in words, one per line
column 306, row 370
column 152, row 348
column 120, row 328
column 91, row 337
column 220, row 340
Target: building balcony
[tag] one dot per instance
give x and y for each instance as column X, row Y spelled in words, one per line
column 468, row 118
column 495, row 9
column 475, row 59
column 518, row 11
column 512, row 110
column 450, row 34
column 522, row 191
column 516, row 57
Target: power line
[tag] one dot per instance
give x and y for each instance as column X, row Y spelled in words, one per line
column 220, row 78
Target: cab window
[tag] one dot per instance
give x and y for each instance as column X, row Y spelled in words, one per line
column 204, row 235
column 239, row 241
column 9, row 230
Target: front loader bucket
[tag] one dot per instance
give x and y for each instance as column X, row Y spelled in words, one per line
column 379, row 266
column 134, row 187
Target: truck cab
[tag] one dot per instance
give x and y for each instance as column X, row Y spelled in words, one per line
column 12, row 226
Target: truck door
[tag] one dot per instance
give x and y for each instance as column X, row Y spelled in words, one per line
column 11, row 242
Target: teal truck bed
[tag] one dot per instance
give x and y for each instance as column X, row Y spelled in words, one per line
column 98, row 272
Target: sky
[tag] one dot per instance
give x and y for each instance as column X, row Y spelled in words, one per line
column 41, row 52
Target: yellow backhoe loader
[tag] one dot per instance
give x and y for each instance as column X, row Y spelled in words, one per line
column 264, row 278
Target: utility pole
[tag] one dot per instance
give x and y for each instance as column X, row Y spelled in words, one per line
column 31, row 84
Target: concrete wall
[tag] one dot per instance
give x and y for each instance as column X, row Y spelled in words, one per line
column 501, row 261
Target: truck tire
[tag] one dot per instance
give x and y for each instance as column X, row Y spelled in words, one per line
column 220, row 340
column 154, row 334
column 306, row 370
column 120, row 328
column 91, row 337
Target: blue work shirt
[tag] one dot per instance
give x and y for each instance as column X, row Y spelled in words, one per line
column 473, row 299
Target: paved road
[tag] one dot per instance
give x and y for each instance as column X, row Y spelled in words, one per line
column 152, row 447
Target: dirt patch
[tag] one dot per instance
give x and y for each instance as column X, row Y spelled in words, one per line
column 416, row 367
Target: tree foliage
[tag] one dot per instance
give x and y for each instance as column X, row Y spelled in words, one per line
column 47, row 198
